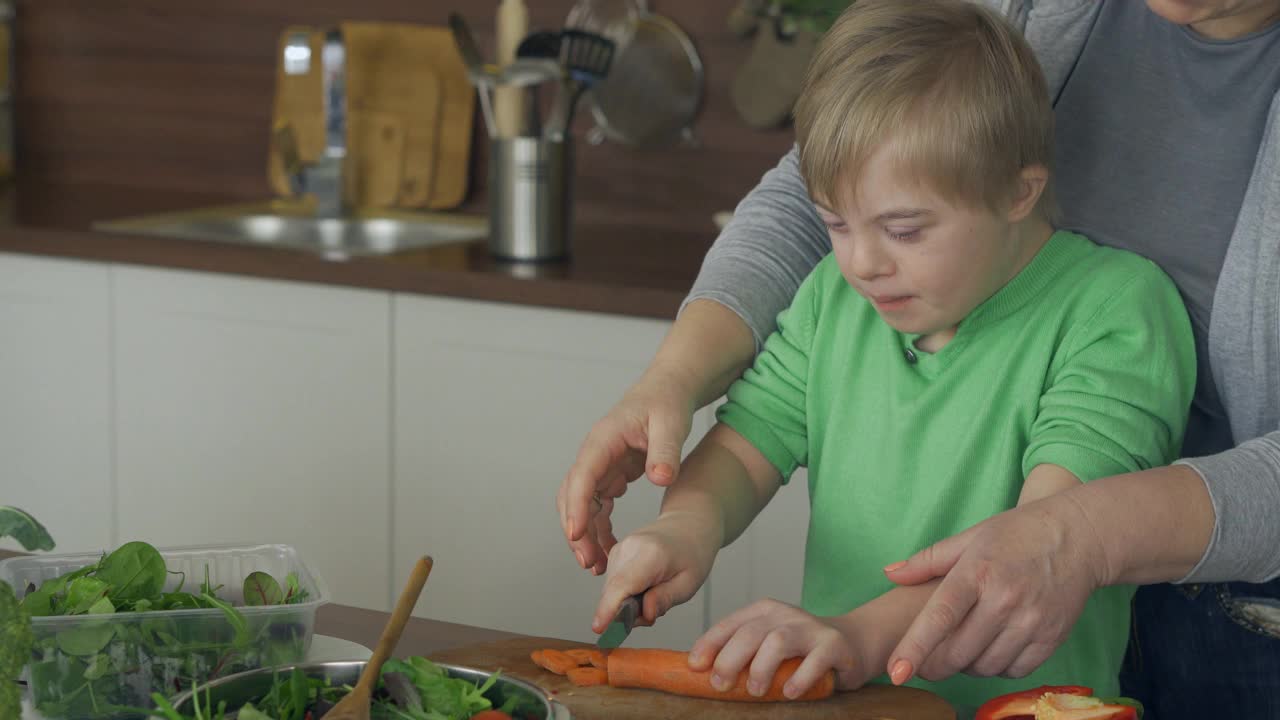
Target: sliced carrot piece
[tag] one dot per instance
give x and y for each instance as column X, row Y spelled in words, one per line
column 582, row 655
column 588, row 676
column 538, row 659
column 599, row 660
column 557, row 661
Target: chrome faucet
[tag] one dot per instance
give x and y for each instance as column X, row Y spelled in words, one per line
column 323, row 178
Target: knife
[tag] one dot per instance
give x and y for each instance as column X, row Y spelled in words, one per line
column 622, row 623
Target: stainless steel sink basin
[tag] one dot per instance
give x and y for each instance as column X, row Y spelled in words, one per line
column 285, row 226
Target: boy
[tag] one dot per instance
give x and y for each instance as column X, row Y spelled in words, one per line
column 953, row 356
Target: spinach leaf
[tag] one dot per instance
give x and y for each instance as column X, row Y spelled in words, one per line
column 98, row 666
column 262, row 589
column 20, row 526
column 15, row 637
column 85, row 640
column 294, row 593
column 134, row 571
column 83, row 592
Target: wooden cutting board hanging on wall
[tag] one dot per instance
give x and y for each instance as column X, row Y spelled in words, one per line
column 410, row 109
column 874, row 702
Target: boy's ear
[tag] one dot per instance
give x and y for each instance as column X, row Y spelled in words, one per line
column 1027, row 192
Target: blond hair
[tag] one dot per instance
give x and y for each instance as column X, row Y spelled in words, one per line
column 953, row 86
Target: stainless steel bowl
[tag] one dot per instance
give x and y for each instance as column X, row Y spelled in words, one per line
column 244, row 687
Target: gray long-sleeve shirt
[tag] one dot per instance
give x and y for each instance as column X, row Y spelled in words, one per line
column 776, row 237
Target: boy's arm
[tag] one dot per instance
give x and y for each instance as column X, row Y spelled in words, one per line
column 730, row 476
column 875, row 628
column 725, row 484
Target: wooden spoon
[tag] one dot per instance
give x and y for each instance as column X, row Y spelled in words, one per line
column 355, row 706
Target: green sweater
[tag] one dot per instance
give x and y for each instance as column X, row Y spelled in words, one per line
column 1084, row 360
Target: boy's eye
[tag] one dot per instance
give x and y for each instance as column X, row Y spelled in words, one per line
column 836, row 226
column 901, row 234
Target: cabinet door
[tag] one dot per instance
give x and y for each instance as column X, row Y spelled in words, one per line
column 55, row 371
column 257, row 411
column 492, row 403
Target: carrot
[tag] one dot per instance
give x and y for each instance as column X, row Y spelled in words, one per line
column 598, row 660
column 588, row 676
column 538, row 659
column 582, row 655
column 557, row 661
column 668, row 671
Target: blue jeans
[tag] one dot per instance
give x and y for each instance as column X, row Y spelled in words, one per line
column 1205, row 651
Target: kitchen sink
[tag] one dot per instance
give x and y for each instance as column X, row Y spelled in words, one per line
column 281, row 224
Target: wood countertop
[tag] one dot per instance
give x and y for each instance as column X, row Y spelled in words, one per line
column 625, row 269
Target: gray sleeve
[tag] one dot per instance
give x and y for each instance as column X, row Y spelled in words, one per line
column 1244, row 485
column 772, row 243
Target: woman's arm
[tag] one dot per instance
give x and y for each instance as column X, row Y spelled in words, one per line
column 772, row 243
column 748, row 277
column 1241, row 490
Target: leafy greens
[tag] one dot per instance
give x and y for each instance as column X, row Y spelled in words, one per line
column 16, row 638
column 116, row 653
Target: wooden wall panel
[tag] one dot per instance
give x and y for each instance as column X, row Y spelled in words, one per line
column 168, row 101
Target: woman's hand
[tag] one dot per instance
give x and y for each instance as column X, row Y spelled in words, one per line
column 643, row 434
column 1014, row 586
column 767, row 632
column 667, row 561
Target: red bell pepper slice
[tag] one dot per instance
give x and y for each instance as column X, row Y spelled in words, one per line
column 1050, row 702
column 1022, row 705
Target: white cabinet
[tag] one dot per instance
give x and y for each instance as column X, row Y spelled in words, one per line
column 55, row 401
column 366, row 429
column 491, row 404
column 256, row 411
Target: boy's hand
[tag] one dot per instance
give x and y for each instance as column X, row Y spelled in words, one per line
column 667, row 561
column 767, row 632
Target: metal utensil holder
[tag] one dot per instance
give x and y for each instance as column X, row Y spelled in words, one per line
column 530, row 198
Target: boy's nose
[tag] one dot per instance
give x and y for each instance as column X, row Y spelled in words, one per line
column 868, row 261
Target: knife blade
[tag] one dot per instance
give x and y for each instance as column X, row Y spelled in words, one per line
column 620, row 627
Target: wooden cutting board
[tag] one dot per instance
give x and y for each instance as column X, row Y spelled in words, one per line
column 874, row 702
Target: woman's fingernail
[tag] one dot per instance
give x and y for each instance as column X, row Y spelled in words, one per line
column 581, row 560
column 895, row 566
column 573, row 529
column 754, row 688
column 662, row 471
column 901, row 672
column 719, row 683
column 790, row 691
column 695, row 659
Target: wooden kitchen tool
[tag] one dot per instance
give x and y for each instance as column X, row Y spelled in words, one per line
column 410, row 109
column 874, row 702
column 355, row 706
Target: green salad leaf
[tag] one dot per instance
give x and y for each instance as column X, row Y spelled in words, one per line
column 262, row 589
column 294, row 695
column 134, row 571
column 16, row 638
column 20, row 526
column 443, row 697
column 99, row 664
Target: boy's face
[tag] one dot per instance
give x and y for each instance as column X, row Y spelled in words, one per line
column 923, row 262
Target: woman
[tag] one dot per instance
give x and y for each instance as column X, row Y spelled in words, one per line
column 1168, row 144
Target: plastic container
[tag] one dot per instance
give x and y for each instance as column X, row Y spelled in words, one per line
column 100, row 666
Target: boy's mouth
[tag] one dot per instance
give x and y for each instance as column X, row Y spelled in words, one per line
column 891, row 302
